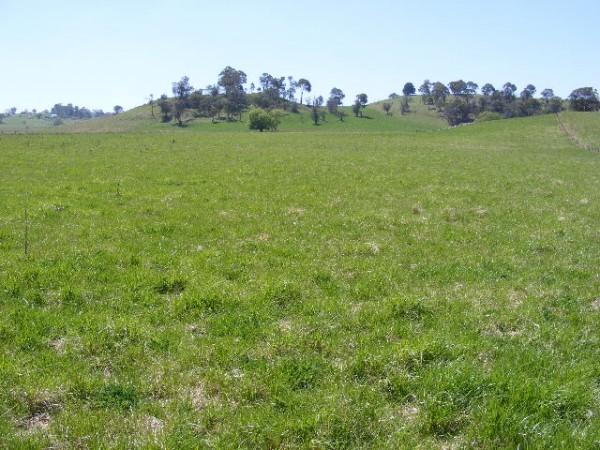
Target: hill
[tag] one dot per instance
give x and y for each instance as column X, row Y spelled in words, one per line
column 579, row 127
column 420, row 118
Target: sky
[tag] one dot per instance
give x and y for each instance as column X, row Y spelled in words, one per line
column 99, row 54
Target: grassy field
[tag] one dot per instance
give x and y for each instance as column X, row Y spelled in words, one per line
column 583, row 129
column 414, row 289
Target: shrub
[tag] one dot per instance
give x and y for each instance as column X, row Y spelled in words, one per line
column 458, row 112
column 261, row 120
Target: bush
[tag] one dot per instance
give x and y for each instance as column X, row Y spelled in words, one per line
column 458, row 112
column 261, row 120
column 487, row 116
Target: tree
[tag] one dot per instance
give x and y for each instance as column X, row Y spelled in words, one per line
column 118, row 109
column 271, row 89
column 488, row 89
column 232, row 81
column 439, row 94
column 529, row 106
column 178, row 110
column 393, row 96
column 360, row 102
column 165, row 107
column 458, row 111
column 291, row 90
column 528, row 92
column 182, row 88
column 151, row 103
column 267, row 81
column 332, row 105
column 356, row 108
column 554, row 105
column 84, row 113
column 547, row 94
column 457, row 87
column 584, row 99
column 213, row 90
column 304, row 85
column 463, row 89
column 425, row 91
column 2, row 117
column 508, row 90
column 404, row 105
column 363, row 99
column 337, row 95
column 471, row 88
column 409, row 89
column 261, row 120
column 316, row 112
column 386, row 108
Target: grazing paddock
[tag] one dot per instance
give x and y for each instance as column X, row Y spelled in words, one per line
column 300, row 290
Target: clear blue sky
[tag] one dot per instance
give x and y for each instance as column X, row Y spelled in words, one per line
column 101, row 53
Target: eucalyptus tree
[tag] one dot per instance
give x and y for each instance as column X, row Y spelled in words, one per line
column 337, row 95
column 584, row 99
column 488, row 89
column 425, row 91
column 304, row 85
column 232, row 81
column 409, row 89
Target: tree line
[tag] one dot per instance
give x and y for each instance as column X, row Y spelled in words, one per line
column 229, row 97
column 458, row 102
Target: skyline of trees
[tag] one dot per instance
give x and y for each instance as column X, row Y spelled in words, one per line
column 458, row 101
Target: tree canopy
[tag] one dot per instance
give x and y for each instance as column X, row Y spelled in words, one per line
column 457, row 101
column 409, row 89
column 584, row 99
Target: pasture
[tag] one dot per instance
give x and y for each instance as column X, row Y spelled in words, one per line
column 363, row 289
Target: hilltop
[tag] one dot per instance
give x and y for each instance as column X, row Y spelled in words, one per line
column 140, row 119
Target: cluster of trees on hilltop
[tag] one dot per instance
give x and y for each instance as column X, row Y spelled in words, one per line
column 229, row 96
column 74, row 112
column 58, row 110
column 459, row 103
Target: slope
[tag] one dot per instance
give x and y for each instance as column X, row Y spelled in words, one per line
column 140, row 119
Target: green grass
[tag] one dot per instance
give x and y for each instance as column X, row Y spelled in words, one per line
column 584, row 127
column 26, row 123
column 300, row 290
